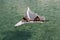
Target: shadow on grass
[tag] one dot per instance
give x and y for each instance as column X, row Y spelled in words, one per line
column 17, row 35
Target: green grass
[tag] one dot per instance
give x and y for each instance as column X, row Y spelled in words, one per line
column 12, row 11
